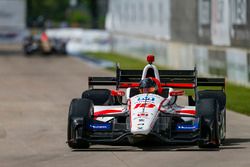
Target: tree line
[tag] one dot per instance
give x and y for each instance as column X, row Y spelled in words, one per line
column 85, row 13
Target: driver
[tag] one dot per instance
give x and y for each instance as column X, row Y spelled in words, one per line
column 148, row 85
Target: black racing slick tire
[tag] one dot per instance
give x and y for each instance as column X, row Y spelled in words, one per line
column 209, row 113
column 80, row 112
column 219, row 95
column 98, row 96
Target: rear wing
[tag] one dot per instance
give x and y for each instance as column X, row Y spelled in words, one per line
column 169, row 78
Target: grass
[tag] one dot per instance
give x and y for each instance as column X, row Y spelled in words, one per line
column 238, row 97
column 126, row 62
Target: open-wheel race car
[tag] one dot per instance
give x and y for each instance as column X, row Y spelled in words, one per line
column 143, row 107
column 42, row 43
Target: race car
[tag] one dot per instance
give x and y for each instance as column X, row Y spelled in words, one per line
column 142, row 106
column 42, row 43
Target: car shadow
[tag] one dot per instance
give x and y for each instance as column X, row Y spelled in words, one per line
column 229, row 144
column 146, row 149
column 235, row 143
column 10, row 52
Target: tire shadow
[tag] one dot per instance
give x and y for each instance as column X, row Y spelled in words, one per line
column 235, row 143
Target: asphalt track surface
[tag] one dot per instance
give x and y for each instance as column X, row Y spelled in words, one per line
column 34, row 97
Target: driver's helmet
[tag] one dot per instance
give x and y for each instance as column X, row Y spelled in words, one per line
column 147, row 85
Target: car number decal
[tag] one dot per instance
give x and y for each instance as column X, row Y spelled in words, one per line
column 144, row 105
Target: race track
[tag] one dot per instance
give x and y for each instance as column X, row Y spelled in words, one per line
column 34, row 97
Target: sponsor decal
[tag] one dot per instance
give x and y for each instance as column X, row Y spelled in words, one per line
column 142, row 115
column 146, row 99
column 104, row 126
column 191, row 127
column 144, row 105
column 141, row 120
column 186, row 127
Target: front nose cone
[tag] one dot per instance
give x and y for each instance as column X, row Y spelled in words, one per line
column 140, row 126
column 140, row 131
column 143, row 113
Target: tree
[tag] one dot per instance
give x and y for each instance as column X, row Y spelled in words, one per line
column 86, row 13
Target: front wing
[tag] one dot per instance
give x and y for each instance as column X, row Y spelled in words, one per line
column 169, row 128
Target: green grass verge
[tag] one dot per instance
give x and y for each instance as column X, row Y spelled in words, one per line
column 126, row 62
column 238, row 97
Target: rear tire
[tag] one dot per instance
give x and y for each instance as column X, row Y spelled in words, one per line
column 99, row 96
column 80, row 111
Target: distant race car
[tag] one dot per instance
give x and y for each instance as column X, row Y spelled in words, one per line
column 41, row 43
column 143, row 108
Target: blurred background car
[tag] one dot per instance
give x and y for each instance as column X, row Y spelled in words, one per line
column 42, row 43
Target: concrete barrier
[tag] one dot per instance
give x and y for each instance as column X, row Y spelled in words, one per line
column 229, row 62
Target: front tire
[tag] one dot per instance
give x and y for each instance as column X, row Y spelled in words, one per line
column 210, row 124
column 80, row 112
